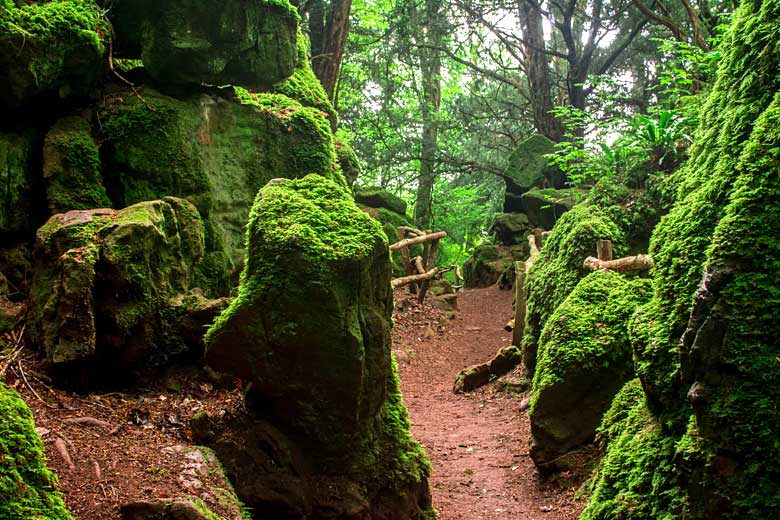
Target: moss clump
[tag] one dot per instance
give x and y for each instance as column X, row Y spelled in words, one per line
column 27, row 488
column 528, row 165
column 54, row 47
column 350, row 165
column 637, row 477
column 559, row 267
column 303, row 86
column 584, row 358
column 71, row 168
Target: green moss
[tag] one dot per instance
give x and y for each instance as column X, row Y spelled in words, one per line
column 52, row 46
column 559, row 267
column 71, row 168
column 303, row 86
column 19, row 184
column 350, row 165
column 528, row 164
column 377, row 197
column 27, row 488
column 637, row 477
column 588, row 332
column 632, row 210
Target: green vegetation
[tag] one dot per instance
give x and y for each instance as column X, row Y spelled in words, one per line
column 27, row 488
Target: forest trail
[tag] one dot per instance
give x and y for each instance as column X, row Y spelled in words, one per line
column 478, row 442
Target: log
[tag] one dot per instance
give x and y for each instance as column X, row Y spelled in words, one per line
column 417, row 240
column 519, row 325
column 428, row 275
column 629, row 263
column 418, row 263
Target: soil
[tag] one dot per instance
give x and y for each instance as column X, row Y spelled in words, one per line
column 477, row 442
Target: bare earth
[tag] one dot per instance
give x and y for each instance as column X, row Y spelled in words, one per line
column 478, row 442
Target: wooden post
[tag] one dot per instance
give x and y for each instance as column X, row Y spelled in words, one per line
column 604, row 250
column 430, row 260
column 402, row 232
column 519, row 325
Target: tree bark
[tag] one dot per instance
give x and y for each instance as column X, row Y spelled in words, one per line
column 538, row 73
column 326, row 62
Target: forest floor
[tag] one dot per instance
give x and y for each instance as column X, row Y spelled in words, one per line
column 477, row 442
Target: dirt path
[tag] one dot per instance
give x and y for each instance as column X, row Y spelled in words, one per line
column 477, row 442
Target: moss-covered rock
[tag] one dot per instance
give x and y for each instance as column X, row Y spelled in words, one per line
column 303, row 86
column 559, row 268
column 545, row 206
column 510, row 228
column 584, row 358
column 376, row 197
column 19, row 185
column 348, row 160
column 219, row 42
column 216, row 153
column 50, row 48
column 101, row 279
column 706, row 345
column 483, row 267
column 527, row 169
column 637, row 477
column 71, row 167
column 310, row 329
column 391, row 221
column 27, row 488
column 634, row 212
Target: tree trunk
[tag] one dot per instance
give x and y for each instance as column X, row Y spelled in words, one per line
column 326, row 61
column 430, row 72
column 538, row 73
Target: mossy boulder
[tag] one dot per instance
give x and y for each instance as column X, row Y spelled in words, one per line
column 376, row 197
column 510, row 228
column 27, row 488
column 584, row 358
column 706, row 345
column 252, row 44
column 528, row 168
column 310, row 329
column 545, row 206
column 390, row 222
column 19, row 184
column 215, row 152
column 303, row 86
column 559, row 268
column 488, row 262
column 634, row 212
column 71, row 167
column 101, row 280
column 54, row 48
column 637, row 477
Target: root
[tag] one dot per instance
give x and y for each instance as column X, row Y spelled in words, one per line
column 62, row 448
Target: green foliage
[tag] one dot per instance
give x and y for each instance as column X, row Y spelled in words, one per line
column 27, row 488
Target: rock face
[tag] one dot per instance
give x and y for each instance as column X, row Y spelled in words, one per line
column 487, row 263
column 545, row 206
column 584, row 358
column 310, row 330
column 50, row 48
column 376, row 197
column 18, row 187
column 236, row 42
column 102, row 278
column 217, row 154
column 699, row 440
column 528, row 169
column 510, row 228
column 71, row 167
column 28, row 489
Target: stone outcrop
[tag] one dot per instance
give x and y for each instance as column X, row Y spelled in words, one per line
column 527, row 169
column 545, row 206
column 18, row 189
column 103, row 277
column 310, row 330
column 54, row 49
column 584, row 358
column 219, row 42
